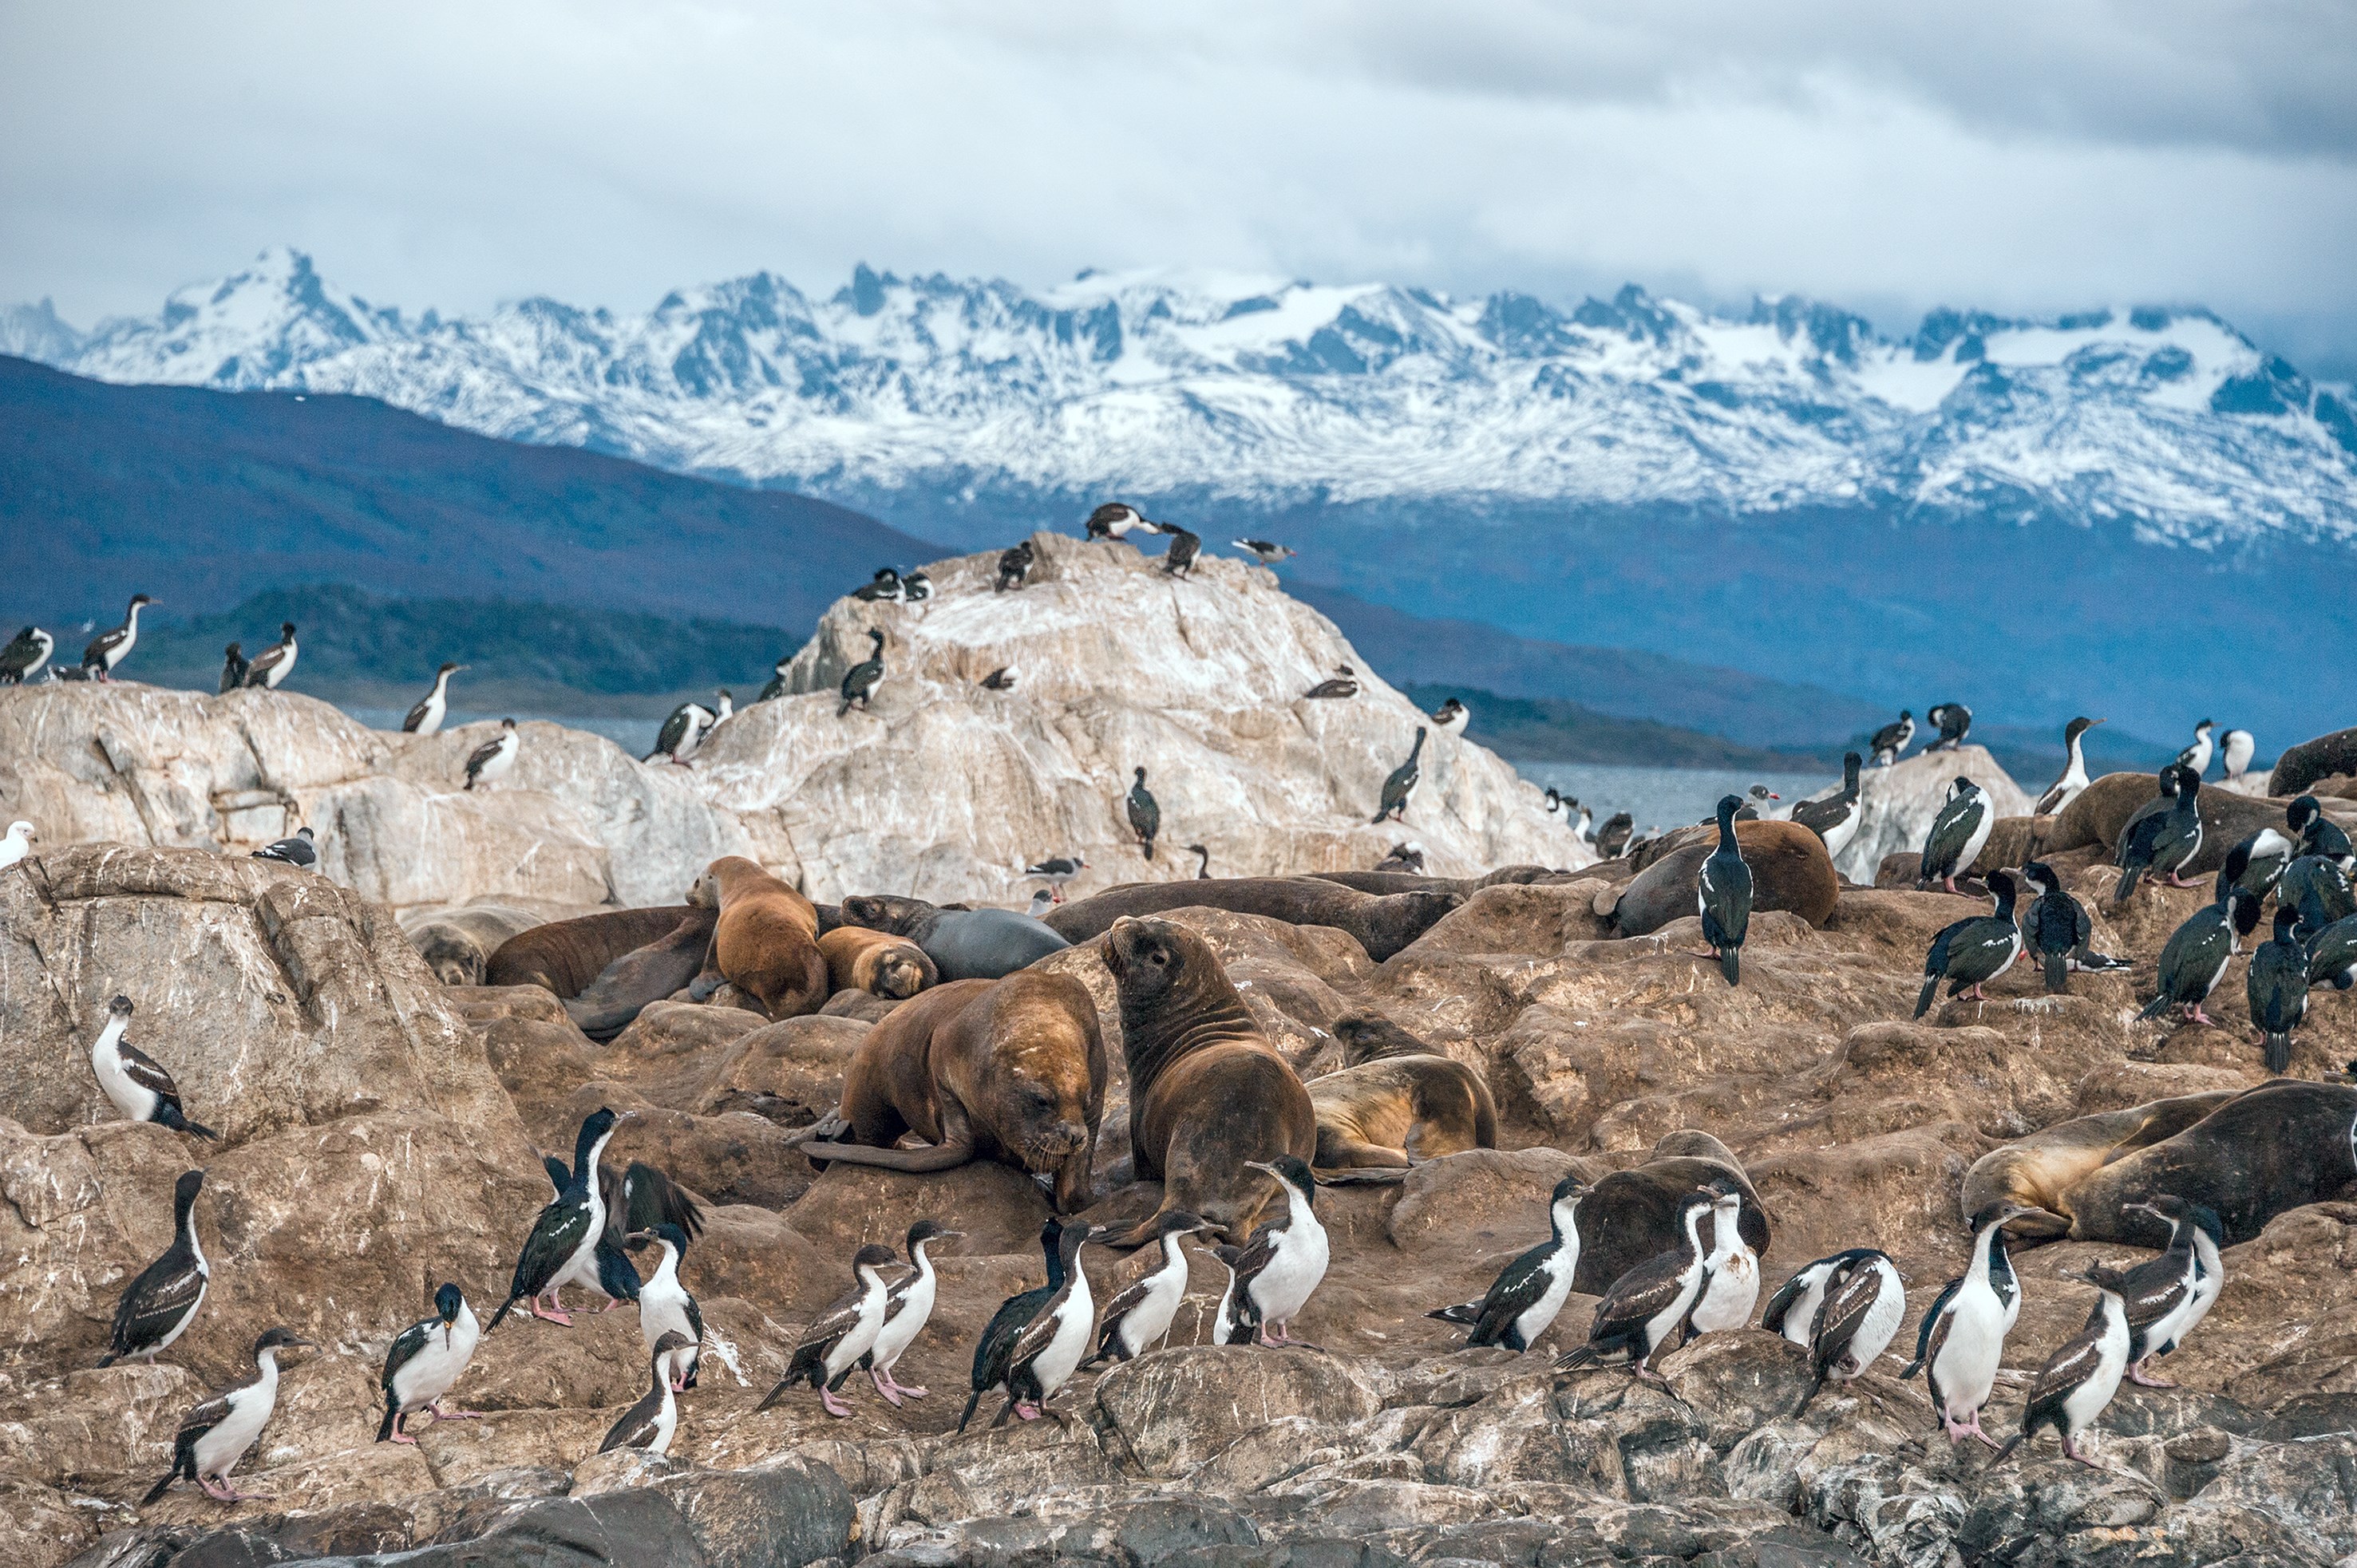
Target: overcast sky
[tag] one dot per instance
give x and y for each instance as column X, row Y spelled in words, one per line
column 2029, row 158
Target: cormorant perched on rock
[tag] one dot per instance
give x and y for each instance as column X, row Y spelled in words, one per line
column 683, row 732
column 1730, row 1283
column 1285, row 1262
column 2065, row 789
column 1142, row 1313
column 838, row 1337
column 1202, row 862
column 26, row 654
column 908, row 1304
column 724, row 706
column 1344, row 683
column 1401, row 782
column 218, row 1432
column 2079, row 1380
column 1865, row 1301
column 2196, row 757
column 665, row 1307
column 1184, row 546
column 137, row 1083
column 1451, row 718
column 916, row 588
column 425, row 1359
column 1836, row 818
column 2319, row 835
column 1144, row 814
column 110, row 648
column 2194, row 958
column 2277, row 988
column 1723, row 890
column 1972, row 952
column 1612, row 838
column 999, row 680
column 1961, row 1341
column 885, row 585
column 1406, row 856
column 1892, row 739
column 496, row 758
column 1957, row 834
column 1644, row 1310
column 1522, row 1301
column 426, row 718
column 991, row 1353
column 2263, row 855
column 1267, row 553
column 859, row 681
column 2056, row 929
column 2161, row 843
column 775, row 687
column 299, row 850
column 652, row 1422
column 1955, row 720
column 1049, row 1349
column 1116, row 518
column 2164, row 1294
column 2235, row 750
column 1058, row 870
column 1013, row 567
column 234, row 665
column 157, row 1306
column 2316, row 886
column 275, row 663
column 563, row 1247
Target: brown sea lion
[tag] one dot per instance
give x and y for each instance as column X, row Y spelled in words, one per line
column 1382, row 882
column 861, row 960
column 566, row 956
column 1371, row 1037
column 1375, row 1115
column 1010, row 1069
column 608, row 1003
column 1206, row 1091
column 1383, row 923
column 2276, row 1148
column 2313, row 760
column 2041, row 1171
column 765, row 944
column 1632, row 1215
column 1790, row 870
column 457, row 944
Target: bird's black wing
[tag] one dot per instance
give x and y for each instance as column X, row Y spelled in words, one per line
column 1772, row 1317
column 555, row 1236
column 166, row 1291
column 1931, row 1331
column 416, row 715
column 147, row 1073
column 650, row 1199
column 673, row 730
column 1032, row 1338
column 829, row 1327
column 558, row 1171
column 405, row 1345
column 1844, row 1314
column 203, row 1419
column 638, row 1426
column 1518, row 1286
column 1644, row 1292
column 482, row 754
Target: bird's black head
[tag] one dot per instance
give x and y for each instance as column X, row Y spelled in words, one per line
column 235, row 650
column 507, row 724
column 672, row 1339
column 1293, row 1171
column 2301, row 812
column 2111, row 1282
column 2000, row 886
column 1998, row 1213
column 1570, row 1189
column 185, row 1190
column 876, row 639
column 305, row 834
column 597, row 1124
column 119, row 1007
column 2205, row 725
column 2188, row 785
column 446, row 1303
column 1141, row 775
column 1727, row 806
column 640, row 1240
column 280, row 1338
column 928, row 1231
column 139, row 599
column 2287, row 922
column 874, row 1255
column 448, row 668
column 2039, row 876
column 2243, row 909
column 1075, row 1237
column 1851, row 763
column 886, row 575
column 1181, row 1222
column 2078, row 727
column 286, row 630
column 1905, row 713
column 1962, row 787
column 2205, row 1219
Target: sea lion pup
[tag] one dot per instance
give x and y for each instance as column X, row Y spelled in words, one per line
column 567, row 956
column 1011, row 1069
column 1384, row 924
column 1395, row 1093
column 765, row 944
column 1207, row 1091
column 964, row 944
column 860, row 959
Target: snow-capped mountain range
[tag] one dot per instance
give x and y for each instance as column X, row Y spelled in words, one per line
column 1281, row 393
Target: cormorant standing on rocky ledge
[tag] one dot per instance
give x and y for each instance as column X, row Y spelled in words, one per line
column 1522, row 1301
column 1957, row 834
column 496, row 758
column 2194, row 958
column 1723, row 888
column 1645, row 1308
column 837, row 1340
column 2079, row 1380
column 275, row 662
column 2160, row 842
column 651, row 1423
column 216, row 1435
column 423, row 1362
column 110, row 648
column 998, row 1342
column 2236, row 748
column 563, row 1247
column 1834, row 820
column 143, row 1091
column 426, row 718
column 24, row 655
column 1142, row 1313
column 299, row 850
column 2277, row 984
column 1144, row 814
column 1892, row 739
column 1955, row 721
column 1050, row 1346
column 1402, row 783
column 885, row 585
column 233, row 667
column 1184, row 546
column 2197, row 755
column 683, row 732
column 1973, row 951
column 2065, row 789
column 859, row 681
column 1013, row 567
column 159, row 1306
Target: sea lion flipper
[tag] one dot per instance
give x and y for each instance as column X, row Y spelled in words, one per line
column 930, row 1157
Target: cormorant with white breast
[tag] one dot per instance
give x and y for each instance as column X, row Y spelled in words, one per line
column 1522, row 1301
column 1145, row 815
column 908, row 1304
column 2066, row 789
column 2196, row 757
column 1955, row 720
column 1959, row 1344
column 2079, row 1380
column 838, row 1337
column 1793, row 1310
column 2199, row 1227
column 426, row 718
column 916, row 588
column 652, row 1422
column 1612, row 838
column 1284, row 1262
column 425, row 1359
column 1723, row 893
column 157, row 1306
column 1343, row 683
column 998, row 1342
column 2194, row 958
column 26, row 654
column 563, row 1247
column 1184, row 546
column 665, row 1305
column 2159, row 1291
column 271, row 666
column 2235, row 750
column 1264, row 550
column 2161, row 843
column 885, row 585
column 775, row 687
column 1646, row 1307
column 300, row 849
column 1142, row 1313
column 860, row 680
column 496, row 758
column 234, row 665
column 1116, row 518
column 683, row 732
column 110, row 648
column 1401, row 782
column 218, row 1434
column 1865, row 1301
column 1958, row 832
column 2263, row 855
column 1050, row 1348
column 1730, row 1281
column 2276, row 987
column 1451, row 718
column 1972, row 952
column 134, row 1081
column 1013, row 567
column 999, row 680
column 1834, row 819
column 1892, row 739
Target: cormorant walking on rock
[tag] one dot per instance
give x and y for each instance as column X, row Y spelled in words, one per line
column 1972, row 952
column 1522, row 1301
column 157, row 1306
column 840, row 1336
column 1145, row 815
column 425, row 1359
column 218, row 1432
column 1723, row 891
column 1402, row 781
column 110, row 648
column 992, row 1352
column 2162, row 843
column 859, row 681
column 1646, row 1309
column 2079, row 1380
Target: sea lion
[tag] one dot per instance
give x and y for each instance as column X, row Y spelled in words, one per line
column 608, row 1003
column 877, row 962
column 1371, row 1116
column 765, row 944
column 457, row 944
column 964, row 944
column 1633, row 1216
column 1206, row 1092
column 1383, row 923
column 2041, row 1171
column 1382, row 881
column 1371, row 1037
column 2313, row 760
column 1790, row 870
column 1010, row 1069
column 566, row 956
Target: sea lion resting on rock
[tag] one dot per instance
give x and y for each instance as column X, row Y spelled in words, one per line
column 1206, row 1092
column 875, row 961
column 1384, row 924
column 1395, row 1092
column 457, row 944
column 610, row 1002
column 1010, row 1069
column 566, row 956
column 765, row 944
column 2248, row 1155
column 1790, row 870
column 1633, row 1216
column 964, row 944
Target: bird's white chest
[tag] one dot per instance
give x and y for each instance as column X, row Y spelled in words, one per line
column 1061, row 1355
column 1298, row 1263
column 1150, row 1319
column 1882, row 1325
column 429, row 1374
column 1728, row 1295
column 132, row 1099
column 501, row 761
column 435, row 707
column 249, row 1412
column 1557, row 1271
column 14, row 848
column 1983, row 822
column 1663, row 1323
column 1838, row 835
column 901, row 1330
column 666, row 1424
column 284, row 667
column 1801, row 1317
column 2082, row 1404
column 1967, row 1362
column 663, row 1307
column 581, row 1268
column 862, row 1337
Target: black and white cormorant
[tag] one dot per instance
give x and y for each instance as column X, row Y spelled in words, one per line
column 2236, row 747
column 2194, row 958
column 999, row 680
column 2158, row 1292
column 2079, row 1380
column 2332, row 954
column 838, row 1337
column 1184, row 547
column 234, row 665
column 1959, row 1344
column 2195, row 758
column 1971, row 953
column 1723, row 893
column 1051, row 1347
column 2056, row 929
column 111, row 647
column 2263, row 855
column 884, row 585
column 496, row 758
column 426, row 718
column 1730, row 1270
column 1958, row 832
column 775, row 686
column 218, row 1432
column 916, row 588
column 1836, row 818
column 1646, row 1309
column 271, row 666
column 1402, row 783
column 860, row 680
column 2066, row 789
column 134, row 1081
column 1285, row 1260
column 159, row 1306
column 1793, row 1310
column 1233, row 1322
column 1343, row 683
column 664, row 1304
column 1202, row 862
column 425, row 1361
column 1056, row 870
column 998, row 1342
column 2277, row 986
column 1407, row 857
column 2161, row 843
column 1522, row 1301
column 1013, row 567
column 652, row 1422
column 1865, row 1301
column 1145, row 815
column 683, row 732
column 1452, row 717
column 2199, row 1227
column 1138, row 1317
column 302, row 849
column 2317, row 886
column 2318, row 834
column 16, row 844
column 1893, row 739
column 26, row 654
column 1612, row 838
column 618, row 1279
column 1954, row 721
column 908, row 1304
column 1116, row 518
column 563, row 1247
column 1266, row 552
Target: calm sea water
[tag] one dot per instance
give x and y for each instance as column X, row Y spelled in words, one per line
column 1664, row 797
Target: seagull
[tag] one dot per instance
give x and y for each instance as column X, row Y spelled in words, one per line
column 1268, row 554
column 1058, row 870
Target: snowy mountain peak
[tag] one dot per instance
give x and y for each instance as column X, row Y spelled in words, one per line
column 1272, row 389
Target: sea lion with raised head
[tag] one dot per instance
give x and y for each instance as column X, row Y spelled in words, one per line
column 1010, row 1069
column 1383, row 923
column 1635, row 1215
column 766, row 942
column 964, row 944
column 567, row 956
column 875, row 961
column 1207, row 1091
column 609, row 1004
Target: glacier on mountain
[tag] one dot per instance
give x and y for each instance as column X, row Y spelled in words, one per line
column 1281, row 392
